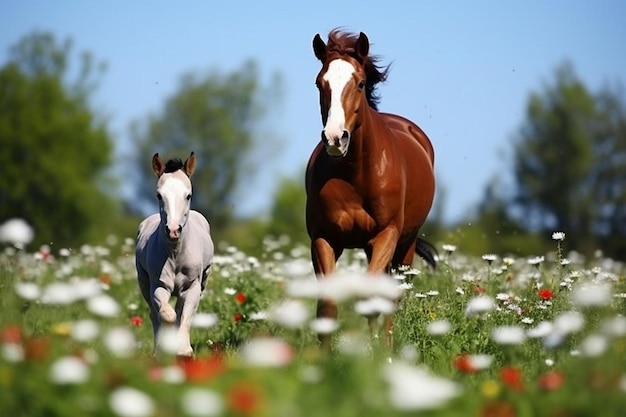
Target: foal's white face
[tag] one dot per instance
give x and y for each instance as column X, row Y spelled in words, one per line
column 174, row 194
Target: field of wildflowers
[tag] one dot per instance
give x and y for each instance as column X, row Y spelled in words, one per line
column 490, row 336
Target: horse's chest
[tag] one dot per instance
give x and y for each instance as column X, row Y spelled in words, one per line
column 178, row 275
column 345, row 210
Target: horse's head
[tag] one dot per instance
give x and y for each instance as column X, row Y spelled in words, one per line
column 174, row 192
column 346, row 86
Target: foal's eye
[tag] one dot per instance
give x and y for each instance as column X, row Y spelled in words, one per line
column 159, row 197
column 361, row 84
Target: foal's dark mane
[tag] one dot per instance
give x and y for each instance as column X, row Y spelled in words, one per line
column 173, row 165
column 343, row 43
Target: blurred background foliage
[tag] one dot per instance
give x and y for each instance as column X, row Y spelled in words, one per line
column 567, row 159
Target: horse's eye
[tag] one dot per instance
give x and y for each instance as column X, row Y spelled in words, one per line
column 159, row 197
column 361, row 84
column 188, row 197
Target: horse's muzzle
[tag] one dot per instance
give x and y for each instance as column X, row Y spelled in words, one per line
column 336, row 146
column 173, row 234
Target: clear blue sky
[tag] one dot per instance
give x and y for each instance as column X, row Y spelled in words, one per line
column 462, row 70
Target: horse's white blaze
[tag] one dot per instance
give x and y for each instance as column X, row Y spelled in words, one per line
column 338, row 75
column 174, row 189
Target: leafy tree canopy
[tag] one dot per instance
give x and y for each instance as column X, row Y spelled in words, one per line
column 55, row 149
column 569, row 165
column 218, row 116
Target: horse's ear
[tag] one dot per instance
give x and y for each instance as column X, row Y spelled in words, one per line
column 190, row 164
column 362, row 47
column 158, row 165
column 319, row 48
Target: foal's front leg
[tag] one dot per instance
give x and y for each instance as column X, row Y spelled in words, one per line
column 186, row 307
column 144, row 286
column 161, row 301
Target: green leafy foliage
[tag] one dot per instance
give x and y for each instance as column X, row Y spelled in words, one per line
column 55, row 149
column 567, row 168
column 287, row 211
column 581, row 373
column 217, row 116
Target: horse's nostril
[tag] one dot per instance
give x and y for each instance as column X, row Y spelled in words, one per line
column 324, row 138
column 180, row 228
column 345, row 135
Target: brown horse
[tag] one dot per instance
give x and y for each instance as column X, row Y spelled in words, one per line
column 370, row 182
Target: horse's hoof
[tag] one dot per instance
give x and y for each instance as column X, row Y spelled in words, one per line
column 185, row 353
column 167, row 315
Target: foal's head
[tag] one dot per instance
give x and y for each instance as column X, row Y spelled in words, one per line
column 346, row 84
column 174, row 192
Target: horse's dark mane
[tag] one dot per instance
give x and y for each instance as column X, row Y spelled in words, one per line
column 173, row 165
column 343, row 43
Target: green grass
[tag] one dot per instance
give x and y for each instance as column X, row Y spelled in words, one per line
column 349, row 382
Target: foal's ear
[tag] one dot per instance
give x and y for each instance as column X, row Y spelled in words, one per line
column 158, row 165
column 362, row 46
column 319, row 48
column 190, row 164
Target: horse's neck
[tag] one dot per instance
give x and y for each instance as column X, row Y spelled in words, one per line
column 364, row 142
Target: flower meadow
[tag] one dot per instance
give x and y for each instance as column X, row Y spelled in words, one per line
column 478, row 336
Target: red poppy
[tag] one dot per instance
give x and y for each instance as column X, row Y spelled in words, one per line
column 498, row 409
column 12, row 334
column 37, row 348
column 203, row 368
column 105, row 278
column 241, row 298
column 463, row 363
column 155, row 373
column 237, row 317
column 512, row 377
column 136, row 321
column 44, row 253
column 244, row 398
column 551, row 380
column 545, row 294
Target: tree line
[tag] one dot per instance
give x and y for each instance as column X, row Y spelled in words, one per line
column 567, row 158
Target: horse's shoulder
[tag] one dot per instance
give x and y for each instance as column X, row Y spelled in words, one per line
column 314, row 156
column 146, row 233
column 198, row 217
column 407, row 128
column 199, row 222
column 148, row 226
column 316, row 167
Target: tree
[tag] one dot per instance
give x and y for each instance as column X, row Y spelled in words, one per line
column 55, row 148
column 218, row 116
column 569, row 162
column 287, row 211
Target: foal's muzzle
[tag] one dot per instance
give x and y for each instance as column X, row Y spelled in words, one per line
column 173, row 234
column 336, row 145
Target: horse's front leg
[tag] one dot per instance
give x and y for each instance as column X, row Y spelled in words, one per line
column 382, row 249
column 324, row 259
column 144, row 286
column 161, row 300
column 186, row 306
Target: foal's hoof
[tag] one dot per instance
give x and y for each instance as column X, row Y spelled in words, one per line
column 185, row 353
column 167, row 315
